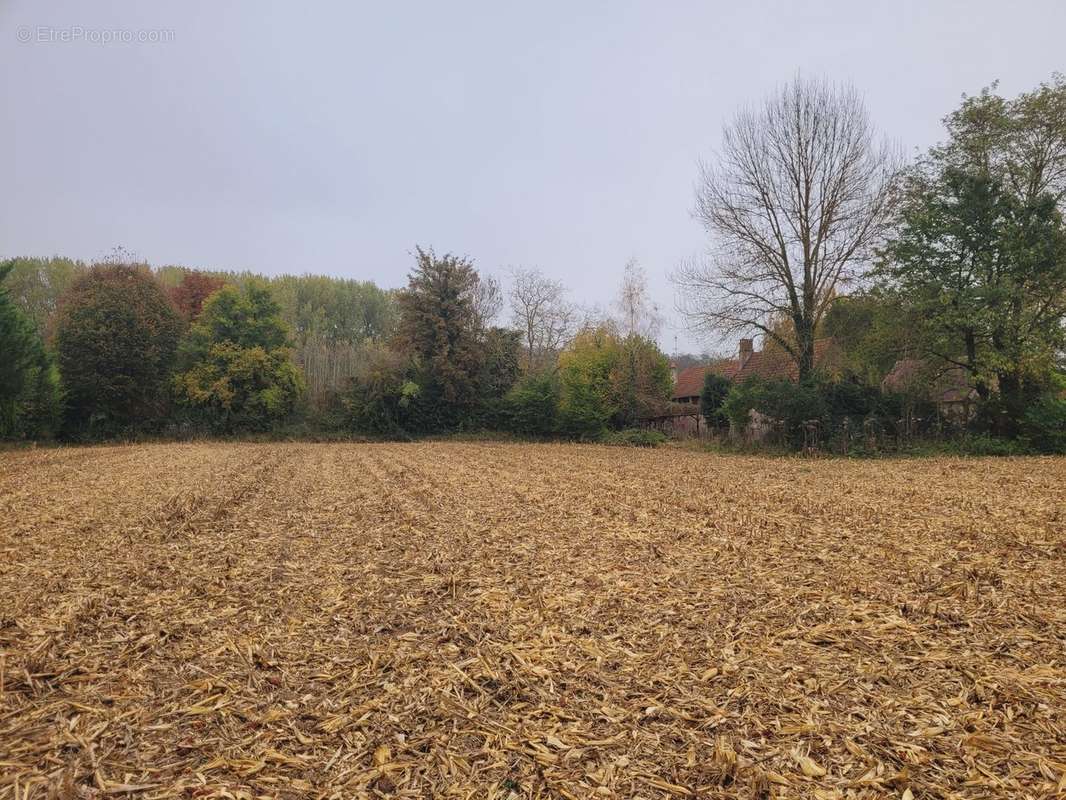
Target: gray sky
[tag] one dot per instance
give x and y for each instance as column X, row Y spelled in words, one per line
column 332, row 137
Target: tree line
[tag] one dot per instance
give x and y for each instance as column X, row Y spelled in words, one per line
column 945, row 276
column 118, row 349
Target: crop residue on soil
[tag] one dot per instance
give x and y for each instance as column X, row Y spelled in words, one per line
column 528, row 621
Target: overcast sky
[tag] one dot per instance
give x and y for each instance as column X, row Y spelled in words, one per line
column 333, row 137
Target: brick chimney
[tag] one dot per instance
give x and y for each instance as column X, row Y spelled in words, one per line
column 747, row 347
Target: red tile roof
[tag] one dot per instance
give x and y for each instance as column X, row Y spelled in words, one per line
column 768, row 364
column 778, row 365
column 690, row 381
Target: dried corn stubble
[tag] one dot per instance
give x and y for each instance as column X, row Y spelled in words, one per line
column 486, row 620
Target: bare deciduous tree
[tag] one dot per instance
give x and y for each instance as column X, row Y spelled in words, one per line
column 488, row 299
column 795, row 206
column 540, row 310
column 638, row 313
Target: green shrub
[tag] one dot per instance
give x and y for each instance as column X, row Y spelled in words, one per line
column 847, row 398
column 1044, row 425
column 634, row 437
column 792, row 404
column 531, row 408
column 639, row 380
column 582, row 412
column 41, row 407
column 984, row 445
column 741, row 399
column 712, row 397
column 383, row 400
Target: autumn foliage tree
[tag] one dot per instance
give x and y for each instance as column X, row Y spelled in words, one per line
column 116, row 334
column 188, row 296
column 607, row 380
column 237, row 371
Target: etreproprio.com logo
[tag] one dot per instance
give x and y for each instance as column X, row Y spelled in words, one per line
column 69, row 34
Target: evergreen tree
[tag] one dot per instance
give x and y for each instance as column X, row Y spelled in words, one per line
column 712, row 396
column 440, row 329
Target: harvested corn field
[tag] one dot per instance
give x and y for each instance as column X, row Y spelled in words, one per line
column 528, row 621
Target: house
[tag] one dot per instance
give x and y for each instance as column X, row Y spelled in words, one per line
column 688, row 383
column 949, row 389
column 772, row 364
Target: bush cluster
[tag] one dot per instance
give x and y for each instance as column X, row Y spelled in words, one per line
column 840, row 414
column 634, row 437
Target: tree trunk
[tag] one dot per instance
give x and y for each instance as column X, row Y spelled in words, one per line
column 805, row 350
column 1012, row 393
column 979, row 383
